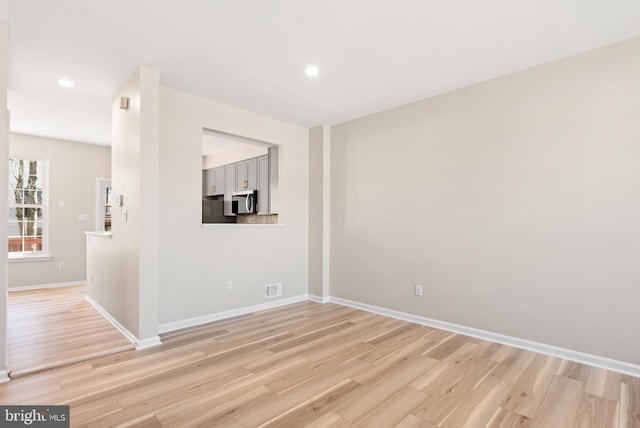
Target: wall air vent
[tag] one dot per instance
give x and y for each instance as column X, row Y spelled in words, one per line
column 272, row 290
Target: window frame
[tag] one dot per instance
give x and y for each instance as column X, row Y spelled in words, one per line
column 43, row 254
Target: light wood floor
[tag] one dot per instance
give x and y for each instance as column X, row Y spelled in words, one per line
column 317, row 365
column 55, row 326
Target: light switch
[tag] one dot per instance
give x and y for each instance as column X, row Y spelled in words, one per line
column 124, row 216
column 82, row 217
column 61, row 203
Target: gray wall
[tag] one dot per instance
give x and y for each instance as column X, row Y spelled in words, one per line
column 73, row 170
column 123, row 271
column 163, row 267
column 515, row 202
column 196, row 260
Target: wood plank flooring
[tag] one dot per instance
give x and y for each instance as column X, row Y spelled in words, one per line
column 55, row 326
column 317, row 365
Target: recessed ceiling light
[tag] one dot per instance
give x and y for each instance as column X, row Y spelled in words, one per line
column 311, row 71
column 66, row 83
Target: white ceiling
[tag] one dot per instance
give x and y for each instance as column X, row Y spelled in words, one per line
column 372, row 54
column 218, row 144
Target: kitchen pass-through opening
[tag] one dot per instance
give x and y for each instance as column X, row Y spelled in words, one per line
column 239, row 179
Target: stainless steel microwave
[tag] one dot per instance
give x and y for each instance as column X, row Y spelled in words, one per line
column 245, row 202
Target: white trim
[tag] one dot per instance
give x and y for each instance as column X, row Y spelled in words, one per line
column 204, row 319
column 148, row 342
column 318, row 299
column 112, row 320
column 42, row 286
column 29, row 257
column 4, row 376
column 99, row 234
column 555, row 351
column 140, row 343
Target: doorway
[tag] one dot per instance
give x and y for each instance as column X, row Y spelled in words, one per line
column 51, row 327
column 103, row 205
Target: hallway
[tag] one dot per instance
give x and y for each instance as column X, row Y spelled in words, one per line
column 53, row 327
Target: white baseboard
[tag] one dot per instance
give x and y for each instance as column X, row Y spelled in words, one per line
column 319, row 299
column 148, row 342
column 112, row 320
column 204, row 319
column 554, row 351
column 55, row 285
column 140, row 343
column 4, row 376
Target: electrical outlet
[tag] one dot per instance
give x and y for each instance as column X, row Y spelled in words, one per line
column 61, row 265
column 229, row 286
column 418, row 290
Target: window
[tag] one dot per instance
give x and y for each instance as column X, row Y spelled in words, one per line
column 27, row 207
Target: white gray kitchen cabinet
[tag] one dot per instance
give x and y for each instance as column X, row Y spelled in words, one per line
column 213, row 181
column 247, row 175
